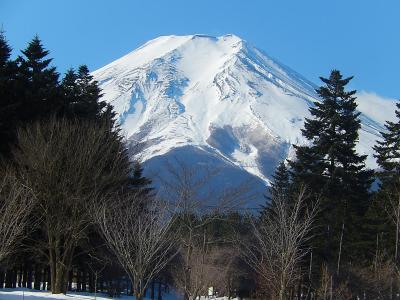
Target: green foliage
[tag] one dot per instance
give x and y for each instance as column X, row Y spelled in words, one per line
column 37, row 82
column 388, row 158
column 388, row 152
column 8, row 76
column 281, row 188
column 333, row 171
column 30, row 91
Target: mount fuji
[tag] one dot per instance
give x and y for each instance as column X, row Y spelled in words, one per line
column 218, row 101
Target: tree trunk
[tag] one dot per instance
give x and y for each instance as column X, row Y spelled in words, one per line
column 25, row 276
column 37, row 277
column 8, row 278
column 48, row 276
column 340, row 250
column 70, row 279
column 83, row 289
column 281, row 295
column 139, row 296
column 1, row 279
column 21, row 271
column 30, row 277
column 159, row 296
column 78, row 279
column 91, row 282
column 152, row 290
column 14, row 278
column 58, row 279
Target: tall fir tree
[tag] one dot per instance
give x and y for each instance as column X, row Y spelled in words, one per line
column 39, row 83
column 139, row 182
column 8, row 75
column 279, row 189
column 280, row 182
column 82, row 97
column 90, row 104
column 333, row 171
column 387, row 154
column 70, row 93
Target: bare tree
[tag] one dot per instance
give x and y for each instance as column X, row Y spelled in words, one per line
column 16, row 203
column 278, row 245
column 198, row 203
column 190, row 188
column 379, row 280
column 69, row 166
column 194, row 274
column 141, row 237
column 229, row 269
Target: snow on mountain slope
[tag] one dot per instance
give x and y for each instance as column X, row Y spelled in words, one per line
column 221, row 96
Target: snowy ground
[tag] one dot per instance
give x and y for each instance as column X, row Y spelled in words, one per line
column 25, row 294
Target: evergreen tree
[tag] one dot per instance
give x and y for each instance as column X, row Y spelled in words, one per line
column 281, row 182
column 82, row 97
column 39, row 83
column 90, row 94
column 280, row 189
column 70, row 93
column 8, row 75
column 5, row 50
column 332, row 170
column 388, row 158
column 388, row 152
column 139, row 182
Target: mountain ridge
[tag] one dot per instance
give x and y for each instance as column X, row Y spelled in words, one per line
column 218, row 94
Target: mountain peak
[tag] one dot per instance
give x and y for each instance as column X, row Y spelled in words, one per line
column 219, row 95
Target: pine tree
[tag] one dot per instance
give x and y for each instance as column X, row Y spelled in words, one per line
column 388, row 152
column 332, row 170
column 39, row 83
column 82, row 97
column 89, row 105
column 70, row 93
column 388, row 158
column 8, row 74
column 139, row 182
column 280, row 182
column 279, row 189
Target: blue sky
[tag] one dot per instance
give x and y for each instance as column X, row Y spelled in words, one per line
column 358, row 37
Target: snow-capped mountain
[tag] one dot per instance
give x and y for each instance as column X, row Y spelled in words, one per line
column 216, row 100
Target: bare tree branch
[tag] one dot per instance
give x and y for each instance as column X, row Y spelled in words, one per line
column 278, row 245
column 69, row 166
column 16, row 203
column 141, row 237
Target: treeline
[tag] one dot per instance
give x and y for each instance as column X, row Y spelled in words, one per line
column 77, row 214
column 62, row 159
column 348, row 230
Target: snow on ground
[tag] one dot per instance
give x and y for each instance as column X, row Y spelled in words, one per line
column 25, row 294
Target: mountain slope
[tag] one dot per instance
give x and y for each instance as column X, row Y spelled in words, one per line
column 217, row 95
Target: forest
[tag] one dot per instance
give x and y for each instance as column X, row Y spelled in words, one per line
column 76, row 213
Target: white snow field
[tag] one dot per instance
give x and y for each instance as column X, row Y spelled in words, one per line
column 219, row 100
column 25, row 294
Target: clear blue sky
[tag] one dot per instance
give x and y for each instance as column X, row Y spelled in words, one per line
column 359, row 37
